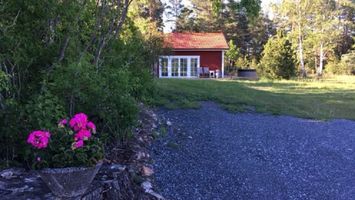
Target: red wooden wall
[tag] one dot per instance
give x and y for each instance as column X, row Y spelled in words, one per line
column 211, row 59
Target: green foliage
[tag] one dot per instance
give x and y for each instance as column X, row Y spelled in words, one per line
column 59, row 58
column 346, row 66
column 277, row 61
column 4, row 86
column 44, row 110
column 321, row 38
column 242, row 63
column 233, row 52
column 239, row 21
column 348, row 62
column 252, row 7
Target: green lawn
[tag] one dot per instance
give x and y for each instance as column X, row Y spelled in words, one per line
column 322, row 99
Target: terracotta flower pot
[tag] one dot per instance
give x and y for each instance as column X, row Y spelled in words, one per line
column 69, row 182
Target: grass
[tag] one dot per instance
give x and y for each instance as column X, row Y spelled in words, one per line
column 317, row 99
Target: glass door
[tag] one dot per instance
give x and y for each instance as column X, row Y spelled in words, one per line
column 175, row 67
column 179, row 66
column 164, row 67
column 183, row 67
column 194, row 67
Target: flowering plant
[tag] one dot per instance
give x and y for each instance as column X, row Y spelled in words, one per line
column 74, row 143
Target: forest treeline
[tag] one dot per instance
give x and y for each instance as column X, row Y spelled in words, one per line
column 320, row 32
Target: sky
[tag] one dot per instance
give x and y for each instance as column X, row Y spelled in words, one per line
column 264, row 5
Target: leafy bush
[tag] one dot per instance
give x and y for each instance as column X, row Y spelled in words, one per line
column 43, row 111
column 3, row 81
column 348, row 62
column 346, row 66
column 277, row 61
column 109, row 92
column 242, row 63
column 57, row 59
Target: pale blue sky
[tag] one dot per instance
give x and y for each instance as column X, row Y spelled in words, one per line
column 264, row 4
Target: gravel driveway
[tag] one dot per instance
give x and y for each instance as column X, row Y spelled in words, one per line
column 213, row 154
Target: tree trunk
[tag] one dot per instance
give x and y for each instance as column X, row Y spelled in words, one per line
column 300, row 48
column 300, row 41
column 321, row 58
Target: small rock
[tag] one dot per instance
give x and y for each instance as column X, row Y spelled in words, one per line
column 21, row 189
column 156, row 195
column 190, row 137
column 168, row 123
column 147, row 171
column 117, row 166
column 147, row 186
column 140, row 155
column 140, row 139
column 7, row 174
column 30, row 180
column 154, row 126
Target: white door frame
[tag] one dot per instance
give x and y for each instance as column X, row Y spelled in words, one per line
column 188, row 75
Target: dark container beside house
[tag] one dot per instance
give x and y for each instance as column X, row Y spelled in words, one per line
column 247, row 73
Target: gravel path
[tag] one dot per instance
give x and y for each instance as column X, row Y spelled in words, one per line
column 213, row 154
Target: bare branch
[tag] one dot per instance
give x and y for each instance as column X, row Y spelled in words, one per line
column 64, row 47
column 13, row 22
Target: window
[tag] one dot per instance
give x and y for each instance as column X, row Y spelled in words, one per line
column 183, row 66
column 164, row 66
column 194, row 66
column 175, row 67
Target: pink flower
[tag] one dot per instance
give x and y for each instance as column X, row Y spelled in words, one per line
column 39, row 139
column 91, row 126
column 78, row 122
column 62, row 123
column 78, row 144
column 38, row 159
column 83, row 134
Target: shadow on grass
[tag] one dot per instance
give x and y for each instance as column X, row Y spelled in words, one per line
column 236, row 96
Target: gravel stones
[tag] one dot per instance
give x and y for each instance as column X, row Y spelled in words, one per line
column 253, row 156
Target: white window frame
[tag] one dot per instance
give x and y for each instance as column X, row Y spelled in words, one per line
column 188, row 66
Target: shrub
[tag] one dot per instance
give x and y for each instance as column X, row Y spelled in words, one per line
column 3, row 82
column 348, row 62
column 105, row 93
column 346, row 66
column 50, row 73
column 43, row 111
column 242, row 63
column 277, row 61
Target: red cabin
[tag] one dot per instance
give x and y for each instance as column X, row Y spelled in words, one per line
column 193, row 55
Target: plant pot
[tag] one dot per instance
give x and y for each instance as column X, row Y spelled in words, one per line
column 69, row 182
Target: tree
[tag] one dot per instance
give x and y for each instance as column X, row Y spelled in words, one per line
column 173, row 10
column 348, row 62
column 277, row 61
column 147, row 16
column 260, row 29
column 232, row 54
column 292, row 16
column 251, row 7
column 186, row 21
column 324, row 29
column 238, row 20
column 346, row 25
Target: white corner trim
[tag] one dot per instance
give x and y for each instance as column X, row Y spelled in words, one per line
column 222, row 64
